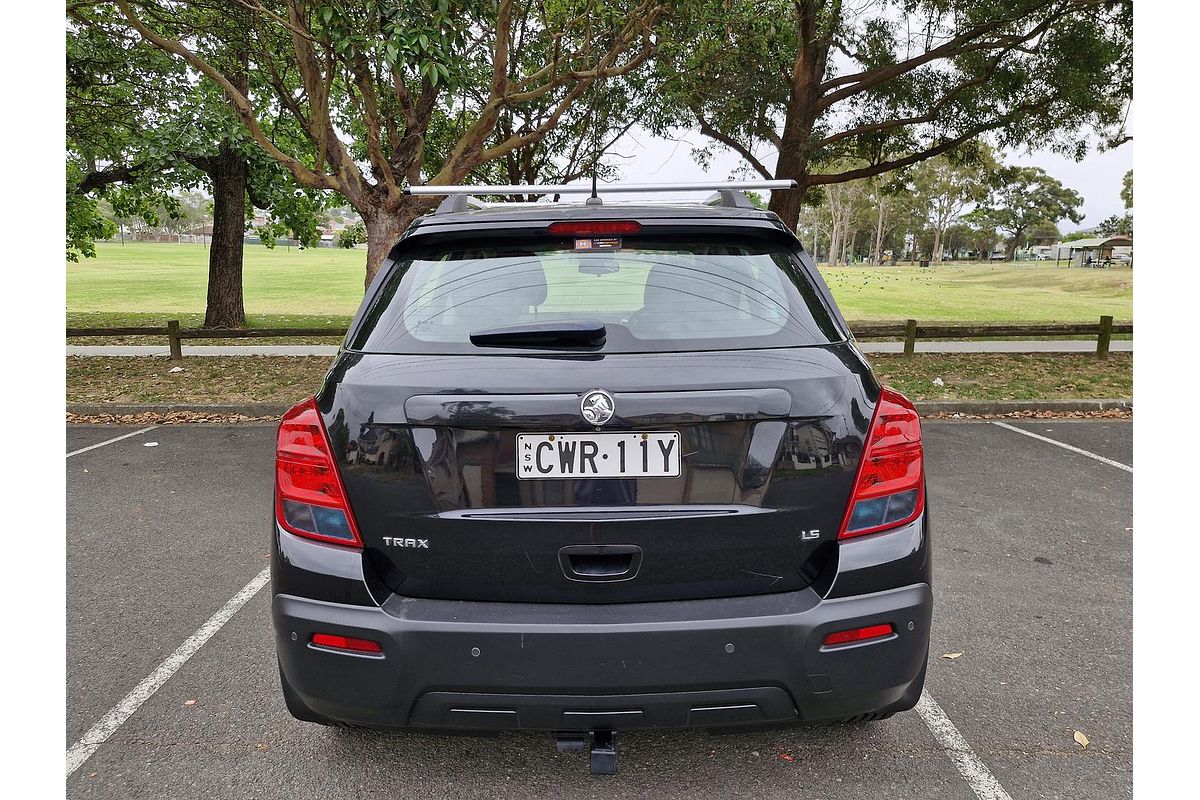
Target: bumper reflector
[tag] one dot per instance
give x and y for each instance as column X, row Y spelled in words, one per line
column 348, row 643
column 860, row 634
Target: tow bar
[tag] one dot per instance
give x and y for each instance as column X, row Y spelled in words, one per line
column 603, row 751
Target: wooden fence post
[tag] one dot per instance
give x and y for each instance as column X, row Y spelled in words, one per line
column 1105, row 337
column 173, row 339
column 910, row 338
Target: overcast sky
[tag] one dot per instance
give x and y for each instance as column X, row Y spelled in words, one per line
column 648, row 159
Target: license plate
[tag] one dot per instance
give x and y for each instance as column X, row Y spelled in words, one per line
column 597, row 455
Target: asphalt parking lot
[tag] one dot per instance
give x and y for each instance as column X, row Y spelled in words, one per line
column 1032, row 585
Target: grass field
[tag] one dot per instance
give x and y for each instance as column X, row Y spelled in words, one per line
column 143, row 283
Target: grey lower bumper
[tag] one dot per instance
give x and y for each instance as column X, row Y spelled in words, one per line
column 471, row 665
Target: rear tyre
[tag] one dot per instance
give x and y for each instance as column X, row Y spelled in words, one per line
column 297, row 707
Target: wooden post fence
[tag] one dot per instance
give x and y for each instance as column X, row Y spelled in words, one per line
column 173, row 339
column 1105, row 337
column 911, row 330
column 910, row 338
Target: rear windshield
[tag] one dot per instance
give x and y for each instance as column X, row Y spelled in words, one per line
column 652, row 295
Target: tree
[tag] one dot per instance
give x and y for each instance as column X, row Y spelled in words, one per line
column 840, row 202
column 352, row 235
column 575, row 147
column 1116, row 225
column 115, row 92
column 979, row 234
column 892, row 83
column 85, row 221
column 140, row 127
column 1121, row 225
column 1027, row 196
column 1046, row 232
column 378, row 88
column 945, row 187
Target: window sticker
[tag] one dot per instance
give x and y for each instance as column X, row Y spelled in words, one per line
column 603, row 243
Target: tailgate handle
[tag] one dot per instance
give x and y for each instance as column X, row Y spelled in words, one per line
column 600, row 562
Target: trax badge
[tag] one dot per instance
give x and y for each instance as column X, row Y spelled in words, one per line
column 419, row 544
column 597, row 407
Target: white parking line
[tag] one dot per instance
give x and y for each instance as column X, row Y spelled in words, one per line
column 974, row 771
column 108, row 441
column 99, row 733
column 1066, row 446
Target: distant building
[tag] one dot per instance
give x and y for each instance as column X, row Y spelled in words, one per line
column 1101, row 251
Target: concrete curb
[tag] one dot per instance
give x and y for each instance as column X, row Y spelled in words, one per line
column 997, row 407
column 967, row 407
column 128, row 409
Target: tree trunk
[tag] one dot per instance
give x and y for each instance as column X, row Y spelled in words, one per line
column 383, row 230
column 937, row 245
column 226, row 307
column 1010, row 250
column 229, row 172
column 788, row 203
column 835, row 242
column 877, row 253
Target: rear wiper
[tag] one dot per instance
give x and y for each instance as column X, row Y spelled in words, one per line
column 559, row 332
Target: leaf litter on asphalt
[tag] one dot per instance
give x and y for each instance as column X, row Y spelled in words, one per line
column 1082, row 740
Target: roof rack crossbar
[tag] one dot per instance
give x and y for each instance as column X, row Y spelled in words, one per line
column 611, row 188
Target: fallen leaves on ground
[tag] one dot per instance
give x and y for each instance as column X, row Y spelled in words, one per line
column 951, row 656
column 1082, row 740
column 164, row 418
column 1108, row 413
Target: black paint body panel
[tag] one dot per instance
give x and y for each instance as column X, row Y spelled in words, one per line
column 422, row 438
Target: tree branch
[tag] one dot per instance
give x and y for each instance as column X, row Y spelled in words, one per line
column 370, row 108
column 930, row 116
column 862, row 81
column 241, row 104
column 942, row 147
column 742, row 150
column 107, row 176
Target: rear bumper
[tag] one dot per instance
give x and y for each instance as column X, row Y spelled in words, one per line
column 706, row 663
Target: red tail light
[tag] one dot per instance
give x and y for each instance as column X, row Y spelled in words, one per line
column 860, row 634
column 310, row 499
column 890, row 488
column 594, row 228
column 346, row 643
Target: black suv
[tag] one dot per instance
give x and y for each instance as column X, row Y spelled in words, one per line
column 586, row 468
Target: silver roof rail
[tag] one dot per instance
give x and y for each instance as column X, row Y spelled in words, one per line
column 610, row 188
column 728, row 193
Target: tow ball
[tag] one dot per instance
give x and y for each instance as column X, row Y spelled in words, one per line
column 603, row 750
